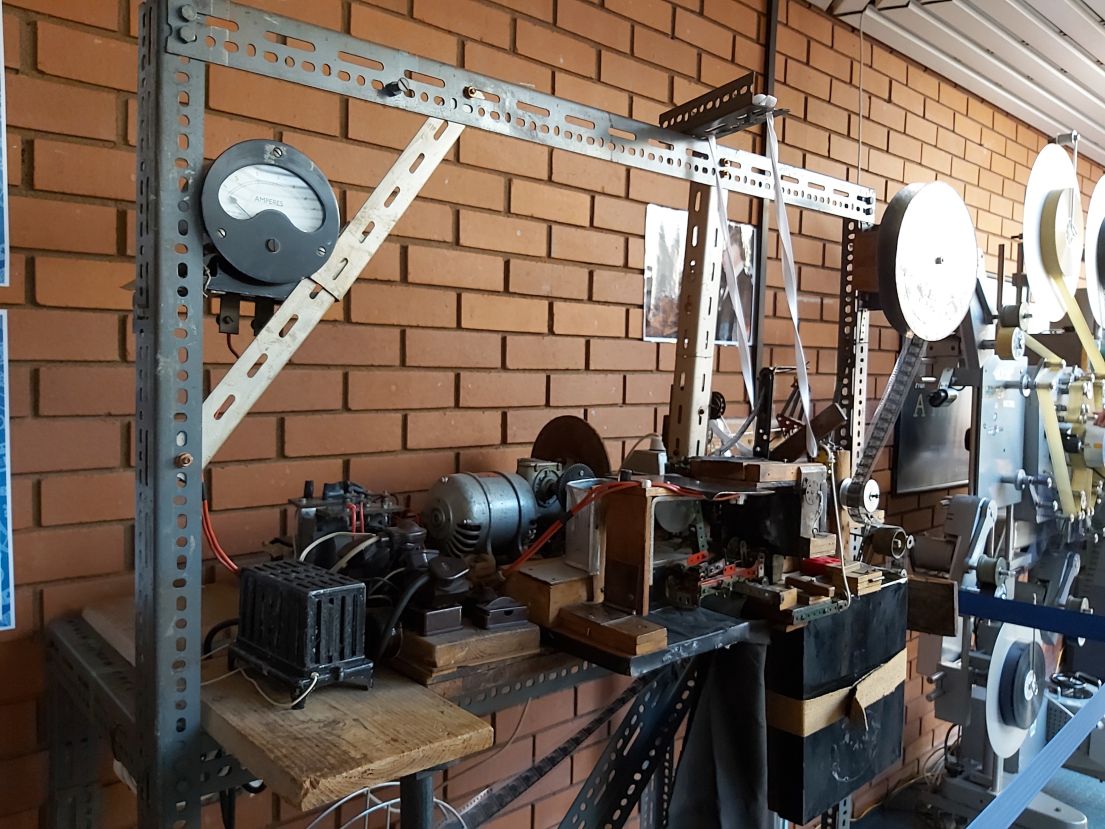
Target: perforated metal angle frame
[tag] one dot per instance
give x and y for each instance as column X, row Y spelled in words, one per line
column 178, row 39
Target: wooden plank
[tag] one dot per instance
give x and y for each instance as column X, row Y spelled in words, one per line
column 343, row 739
column 627, row 553
column 933, row 605
column 824, row 544
column 771, row 472
column 613, row 630
column 774, row 595
column 810, row 585
column 470, row 646
column 825, row 421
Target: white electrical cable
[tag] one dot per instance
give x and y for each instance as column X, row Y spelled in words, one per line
column 333, row 807
column 278, row 703
column 790, row 283
column 449, row 811
column 327, row 537
column 836, row 526
column 371, row 810
column 730, row 272
column 348, row 557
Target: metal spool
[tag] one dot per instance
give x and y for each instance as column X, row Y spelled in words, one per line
column 928, row 260
column 1053, row 234
column 1095, row 253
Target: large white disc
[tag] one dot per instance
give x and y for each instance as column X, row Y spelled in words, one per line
column 1053, row 233
column 1004, row 739
column 1095, row 252
column 928, row 260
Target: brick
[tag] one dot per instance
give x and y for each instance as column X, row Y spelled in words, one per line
column 657, row 189
column 404, row 305
column 509, row 234
column 86, row 390
column 325, row 13
column 257, row 441
column 499, row 152
column 400, row 33
column 626, row 287
column 543, row 201
column 592, row 173
column 619, row 214
column 588, row 320
column 734, row 15
column 84, row 170
column 82, row 56
column 664, row 51
column 49, row 555
column 267, row 483
column 240, row 93
column 498, row 459
column 622, row 355
column 56, row 444
column 404, row 472
column 655, row 13
column 530, row 276
column 462, row 185
column 500, row 313
column 88, row 335
column 23, row 502
column 298, row 390
column 647, row 388
column 73, row 110
column 342, row 161
column 626, row 73
column 60, row 225
column 403, row 389
column 585, row 245
column 75, row 499
column 467, row 18
column 622, row 421
column 545, row 352
column 19, row 724
column 23, row 782
column 459, row 349
column 703, row 34
column 554, row 48
column 501, row 389
column 584, row 389
column 523, row 425
column 504, row 66
column 461, row 269
column 84, row 283
column 342, row 434
column 587, row 20
column 434, row 430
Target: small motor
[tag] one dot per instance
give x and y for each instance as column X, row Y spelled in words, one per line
column 472, row 513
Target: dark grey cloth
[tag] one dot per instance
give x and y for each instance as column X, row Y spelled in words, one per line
column 721, row 781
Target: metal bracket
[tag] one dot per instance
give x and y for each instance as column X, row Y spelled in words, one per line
column 852, row 344
column 270, row 351
column 228, row 34
column 614, row 787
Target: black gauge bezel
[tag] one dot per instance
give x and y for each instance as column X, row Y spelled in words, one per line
column 245, row 243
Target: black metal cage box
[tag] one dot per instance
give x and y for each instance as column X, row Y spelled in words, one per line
column 298, row 621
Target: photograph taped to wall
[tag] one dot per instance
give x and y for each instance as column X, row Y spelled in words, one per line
column 665, row 238
column 7, row 575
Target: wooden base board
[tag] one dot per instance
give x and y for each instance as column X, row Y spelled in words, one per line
column 470, row 646
column 612, row 630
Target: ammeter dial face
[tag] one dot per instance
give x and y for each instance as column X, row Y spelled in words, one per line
column 249, row 190
column 269, row 212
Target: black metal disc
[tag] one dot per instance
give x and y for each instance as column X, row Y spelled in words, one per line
column 568, row 440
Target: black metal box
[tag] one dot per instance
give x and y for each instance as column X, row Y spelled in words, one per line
column 302, row 626
column 808, row 775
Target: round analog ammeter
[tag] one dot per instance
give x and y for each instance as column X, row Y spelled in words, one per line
column 269, row 211
column 928, row 260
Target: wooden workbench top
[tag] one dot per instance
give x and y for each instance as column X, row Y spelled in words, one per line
column 343, row 739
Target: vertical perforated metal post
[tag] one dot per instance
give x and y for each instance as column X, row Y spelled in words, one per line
column 168, row 305
column 688, row 412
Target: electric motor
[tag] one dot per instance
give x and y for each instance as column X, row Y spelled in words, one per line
column 478, row 512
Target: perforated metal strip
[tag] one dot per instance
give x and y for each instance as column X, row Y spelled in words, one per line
column 228, row 34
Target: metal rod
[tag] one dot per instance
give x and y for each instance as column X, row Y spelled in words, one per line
column 760, row 283
column 416, row 800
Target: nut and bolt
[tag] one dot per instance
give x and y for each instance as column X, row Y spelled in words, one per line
column 183, row 459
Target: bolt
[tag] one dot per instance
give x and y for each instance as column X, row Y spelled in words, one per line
column 939, row 260
column 188, row 33
column 188, row 13
column 277, row 152
column 183, row 459
column 222, row 232
column 322, row 251
column 227, row 319
column 272, row 245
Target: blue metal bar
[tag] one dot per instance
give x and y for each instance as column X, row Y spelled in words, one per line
column 1006, row 808
column 1040, row 617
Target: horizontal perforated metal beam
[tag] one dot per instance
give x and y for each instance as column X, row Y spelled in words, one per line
column 225, row 33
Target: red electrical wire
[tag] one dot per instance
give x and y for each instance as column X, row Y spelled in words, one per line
column 213, row 542
column 594, row 494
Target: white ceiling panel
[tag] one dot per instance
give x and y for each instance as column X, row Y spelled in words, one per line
column 1039, row 60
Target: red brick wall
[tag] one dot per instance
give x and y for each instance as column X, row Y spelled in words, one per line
column 510, row 292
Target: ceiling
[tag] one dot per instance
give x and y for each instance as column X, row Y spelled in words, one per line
column 1038, row 60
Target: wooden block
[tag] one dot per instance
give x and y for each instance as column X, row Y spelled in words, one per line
column 810, row 585
column 771, row 472
column 825, row 421
column 775, row 595
column 720, row 469
column 547, row 586
column 470, row 646
column 613, row 630
column 808, row 599
column 933, row 605
column 823, row 544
